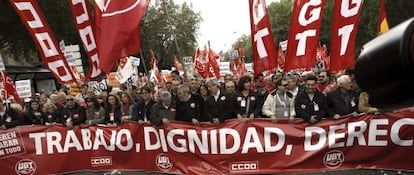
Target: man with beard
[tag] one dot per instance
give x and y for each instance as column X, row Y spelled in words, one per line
column 189, row 106
column 324, row 83
column 311, row 105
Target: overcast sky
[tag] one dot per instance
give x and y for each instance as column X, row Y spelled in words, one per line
column 223, row 21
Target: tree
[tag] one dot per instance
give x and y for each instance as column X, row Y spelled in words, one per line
column 156, row 33
column 15, row 38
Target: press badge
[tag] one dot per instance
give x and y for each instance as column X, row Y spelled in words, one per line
column 315, row 107
column 353, row 103
column 111, row 116
column 243, row 103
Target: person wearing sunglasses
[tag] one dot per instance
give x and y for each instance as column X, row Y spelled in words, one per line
column 279, row 103
column 72, row 114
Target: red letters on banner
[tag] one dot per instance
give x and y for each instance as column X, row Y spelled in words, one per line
column 231, row 148
column 38, row 28
column 346, row 15
column 80, row 10
column 304, row 34
column 264, row 49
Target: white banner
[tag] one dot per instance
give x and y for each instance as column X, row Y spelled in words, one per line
column 23, row 88
column 2, row 68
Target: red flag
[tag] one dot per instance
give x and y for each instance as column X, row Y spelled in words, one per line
column 178, row 65
column 199, row 63
column 264, row 49
column 10, row 89
column 237, row 66
column 156, row 74
column 322, row 56
column 280, row 58
column 46, row 44
column 382, row 21
column 346, row 15
column 82, row 18
column 212, row 60
column 118, row 25
column 303, row 35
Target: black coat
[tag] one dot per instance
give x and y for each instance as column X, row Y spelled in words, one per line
column 304, row 107
column 251, row 101
column 117, row 115
column 140, row 110
column 35, row 117
column 193, row 108
column 342, row 104
column 11, row 118
column 158, row 112
column 221, row 109
column 77, row 114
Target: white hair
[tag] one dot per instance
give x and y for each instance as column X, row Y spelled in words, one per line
column 16, row 106
column 343, row 79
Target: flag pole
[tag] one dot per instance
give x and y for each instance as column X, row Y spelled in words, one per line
column 164, row 4
column 143, row 61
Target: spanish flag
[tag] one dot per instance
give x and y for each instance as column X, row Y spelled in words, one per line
column 382, row 22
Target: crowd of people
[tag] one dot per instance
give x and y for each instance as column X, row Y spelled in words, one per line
column 310, row 96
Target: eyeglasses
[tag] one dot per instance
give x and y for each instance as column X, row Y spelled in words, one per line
column 285, row 85
column 71, row 99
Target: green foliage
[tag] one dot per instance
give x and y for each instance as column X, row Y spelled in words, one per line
column 156, row 33
column 15, row 37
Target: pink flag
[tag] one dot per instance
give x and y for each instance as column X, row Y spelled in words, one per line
column 118, row 30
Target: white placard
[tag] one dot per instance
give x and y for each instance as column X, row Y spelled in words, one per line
column 23, row 88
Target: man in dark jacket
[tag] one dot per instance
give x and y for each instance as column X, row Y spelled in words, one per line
column 72, row 114
column 11, row 117
column 189, row 106
column 218, row 106
column 310, row 105
column 164, row 111
column 342, row 101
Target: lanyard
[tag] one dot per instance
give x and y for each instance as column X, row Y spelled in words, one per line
column 283, row 103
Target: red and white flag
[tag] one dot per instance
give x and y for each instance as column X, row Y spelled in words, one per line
column 304, row 33
column 199, row 62
column 322, row 56
column 156, row 74
column 8, row 87
column 280, row 58
column 264, row 48
column 46, row 44
column 238, row 66
column 346, row 15
column 82, row 18
column 212, row 62
column 118, row 29
column 178, row 66
column 382, row 21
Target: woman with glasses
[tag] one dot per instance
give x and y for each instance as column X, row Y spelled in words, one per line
column 95, row 114
column 279, row 103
